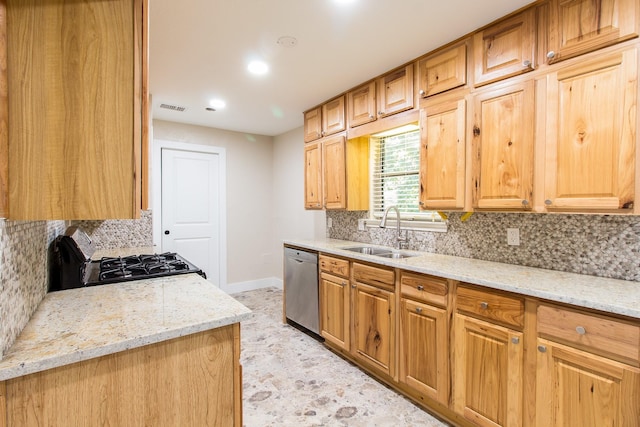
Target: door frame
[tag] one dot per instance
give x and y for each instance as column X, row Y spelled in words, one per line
column 156, row 199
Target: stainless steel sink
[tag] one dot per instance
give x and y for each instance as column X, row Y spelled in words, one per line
column 396, row 255
column 369, row 250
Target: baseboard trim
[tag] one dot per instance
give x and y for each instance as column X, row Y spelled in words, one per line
column 269, row 282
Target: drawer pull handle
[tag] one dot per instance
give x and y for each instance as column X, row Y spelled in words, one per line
column 515, row 340
column 581, row 330
column 344, row 283
column 484, row 305
column 420, row 288
column 542, row 349
column 418, row 310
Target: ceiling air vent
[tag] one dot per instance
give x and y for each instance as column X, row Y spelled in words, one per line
column 173, row 107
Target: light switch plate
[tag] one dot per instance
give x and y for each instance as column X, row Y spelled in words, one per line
column 329, row 222
column 361, row 224
column 513, row 236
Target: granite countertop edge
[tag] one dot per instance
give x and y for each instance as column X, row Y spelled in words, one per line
column 613, row 296
column 56, row 336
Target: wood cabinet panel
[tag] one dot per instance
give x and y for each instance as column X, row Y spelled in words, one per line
column 591, row 138
column 503, row 147
column 395, row 91
column 373, row 275
column 577, row 388
column 75, row 117
column 374, row 328
column 580, row 26
column 442, row 155
column 425, row 288
column 505, row 49
column 313, row 124
column 361, row 105
column 491, row 305
column 333, row 115
column 337, row 266
column 488, row 369
column 443, row 71
column 313, row 196
column 424, row 350
column 335, row 310
column 334, row 173
column 192, row 380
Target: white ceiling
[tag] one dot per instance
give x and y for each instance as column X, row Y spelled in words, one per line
column 199, row 50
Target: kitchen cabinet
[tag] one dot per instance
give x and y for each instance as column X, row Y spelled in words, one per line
column 502, row 147
column 337, row 173
column 361, row 105
column 335, row 301
column 580, row 26
column 374, row 317
column 327, row 119
column 587, row 369
column 77, row 96
column 313, row 124
column 175, row 382
column 395, row 91
column 505, row 49
column 591, row 134
column 313, row 197
column 489, row 357
column 443, row 71
column 424, row 340
column 442, row 154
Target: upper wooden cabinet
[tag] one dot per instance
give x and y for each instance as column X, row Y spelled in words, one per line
column 442, row 155
column 442, row 71
column 591, row 134
column 361, row 105
column 395, row 91
column 313, row 197
column 75, row 90
column 505, row 49
column 581, row 26
column 325, row 120
column 335, row 174
column 503, row 147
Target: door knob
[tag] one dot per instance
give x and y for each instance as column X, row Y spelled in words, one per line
column 167, row 232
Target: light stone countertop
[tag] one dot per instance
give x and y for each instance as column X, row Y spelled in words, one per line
column 599, row 293
column 79, row 324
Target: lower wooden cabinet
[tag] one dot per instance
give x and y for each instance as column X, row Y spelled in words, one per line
column 577, row 388
column 335, row 310
column 424, row 349
column 488, row 372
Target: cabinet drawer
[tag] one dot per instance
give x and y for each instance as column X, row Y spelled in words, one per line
column 491, row 305
column 376, row 276
column 590, row 331
column 337, row 266
column 424, row 288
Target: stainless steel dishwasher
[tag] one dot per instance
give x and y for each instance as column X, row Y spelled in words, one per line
column 301, row 288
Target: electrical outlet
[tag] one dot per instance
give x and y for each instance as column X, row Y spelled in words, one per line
column 361, row 224
column 513, row 236
column 329, row 222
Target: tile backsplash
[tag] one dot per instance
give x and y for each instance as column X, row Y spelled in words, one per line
column 597, row 245
column 23, row 272
column 120, row 233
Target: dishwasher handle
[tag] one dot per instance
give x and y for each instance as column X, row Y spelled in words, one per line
column 301, row 256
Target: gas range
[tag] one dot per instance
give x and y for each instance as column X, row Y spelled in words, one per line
column 72, row 266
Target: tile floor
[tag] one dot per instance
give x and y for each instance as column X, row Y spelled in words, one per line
column 292, row 380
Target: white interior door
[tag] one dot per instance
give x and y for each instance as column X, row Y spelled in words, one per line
column 191, row 208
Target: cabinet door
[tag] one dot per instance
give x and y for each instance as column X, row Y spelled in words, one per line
column 442, row 155
column 591, row 134
column 424, row 349
column 581, row 26
column 374, row 328
column 395, row 91
column 576, row 388
column 488, row 369
column 333, row 117
column 361, row 105
column 334, row 162
column 505, row 49
column 334, row 310
column 313, row 124
column 503, row 147
column 313, row 176
column 444, row 71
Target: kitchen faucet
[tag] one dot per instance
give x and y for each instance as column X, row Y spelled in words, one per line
column 400, row 242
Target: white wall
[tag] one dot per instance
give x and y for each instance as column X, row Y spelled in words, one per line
column 290, row 219
column 250, row 194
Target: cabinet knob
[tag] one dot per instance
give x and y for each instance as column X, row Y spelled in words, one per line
column 542, row 349
column 421, row 203
column 526, row 64
column 525, row 202
column 344, row 283
column 371, row 116
column 547, row 202
column 420, row 288
column 515, row 340
column 551, row 54
column 422, row 92
column 418, row 310
column 581, row 330
column 380, row 113
column 484, row 305
column 353, row 286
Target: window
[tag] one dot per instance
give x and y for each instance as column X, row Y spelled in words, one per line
column 395, row 177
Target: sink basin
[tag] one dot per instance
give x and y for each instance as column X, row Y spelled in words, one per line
column 368, row 250
column 395, row 255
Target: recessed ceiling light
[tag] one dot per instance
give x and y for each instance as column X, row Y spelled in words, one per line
column 287, row 41
column 344, row 1
column 258, row 68
column 217, row 104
